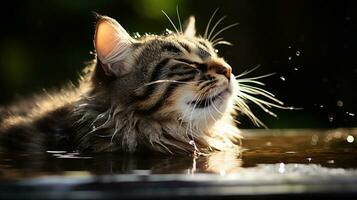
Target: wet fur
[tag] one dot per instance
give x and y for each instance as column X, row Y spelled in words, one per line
column 117, row 107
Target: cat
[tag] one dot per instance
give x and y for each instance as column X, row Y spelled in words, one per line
column 169, row 93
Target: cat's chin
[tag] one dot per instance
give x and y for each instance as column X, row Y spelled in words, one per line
column 216, row 101
column 205, row 112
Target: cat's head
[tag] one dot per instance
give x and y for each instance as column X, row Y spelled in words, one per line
column 170, row 76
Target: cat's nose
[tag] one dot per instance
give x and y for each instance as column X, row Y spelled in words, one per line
column 221, row 68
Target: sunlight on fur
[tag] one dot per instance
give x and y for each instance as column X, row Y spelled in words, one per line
column 169, row 93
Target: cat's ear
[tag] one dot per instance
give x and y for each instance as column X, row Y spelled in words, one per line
column 190, row 27
column 112, row 44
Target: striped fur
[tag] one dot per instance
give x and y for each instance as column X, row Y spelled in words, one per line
column 165, row 93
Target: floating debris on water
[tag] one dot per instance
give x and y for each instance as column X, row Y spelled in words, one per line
column 289, row 58
column 297, row 53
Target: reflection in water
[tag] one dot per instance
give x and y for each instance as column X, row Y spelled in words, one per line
column 63, row 163
column 282, row 151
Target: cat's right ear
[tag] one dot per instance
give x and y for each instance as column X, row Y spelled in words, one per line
column 112, row 44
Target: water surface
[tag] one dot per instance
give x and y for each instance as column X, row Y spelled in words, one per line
column 271, row 162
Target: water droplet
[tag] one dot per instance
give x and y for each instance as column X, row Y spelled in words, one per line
column 339, row 103
column 350, row 114
column 216, row 50
column 296, row 69
column 289, row 58
column 330, row 118
column 281, row 168
column 289, row 47
column 297, row 53
column 309, row 159
column 350, row 139
column 321, row 106
column 282, row 78
column 93, row 127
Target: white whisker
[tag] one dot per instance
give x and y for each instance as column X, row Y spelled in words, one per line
column 248, row 71
column 224, row 29
column 209, row 23
column 172, row 23
column 257, row 92
column 258, row 77
column 240, row 81
column 214, row 27
column 178, row 18
column 214, row 106
column 222, row 43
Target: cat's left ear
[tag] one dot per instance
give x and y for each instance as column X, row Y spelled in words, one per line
column 190, row 27
column 113, row 45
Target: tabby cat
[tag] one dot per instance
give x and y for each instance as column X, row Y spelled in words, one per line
column 169, row 93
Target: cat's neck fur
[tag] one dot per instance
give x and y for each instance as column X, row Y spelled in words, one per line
column 104, row 126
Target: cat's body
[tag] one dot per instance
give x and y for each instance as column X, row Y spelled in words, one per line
column 169, row 94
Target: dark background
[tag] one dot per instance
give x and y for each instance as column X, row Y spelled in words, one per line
column 44, row 44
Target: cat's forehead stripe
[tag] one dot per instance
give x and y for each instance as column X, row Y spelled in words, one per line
column 185, row 46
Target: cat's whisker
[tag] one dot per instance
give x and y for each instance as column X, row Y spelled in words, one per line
column 257, row 77
column 224, row 29
column 221, row 42
column 214, row 27
column 245, row 109
column 217, row 40
column 248, row 71
column 165, row 81
column 197, row 96
column 209, row 23
column 250, row 81
column 217, row 108
column 190, row 123
column 172, row 23
column 179, row 19
column 256, row 88
column 257, row 92
column 209, row 109
column 260, row 104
